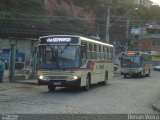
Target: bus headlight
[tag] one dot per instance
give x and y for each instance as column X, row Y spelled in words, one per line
column 140, row 69
column 75, row 77
column 123, row 70
column 41, row 77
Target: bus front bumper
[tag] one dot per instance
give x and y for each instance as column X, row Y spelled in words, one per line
column 61, row 83
column 131, row 72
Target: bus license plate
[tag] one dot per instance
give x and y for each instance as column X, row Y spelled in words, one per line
column 57, row 83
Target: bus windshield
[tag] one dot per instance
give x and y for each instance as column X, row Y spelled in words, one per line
column 131, row 61
column 59, row 57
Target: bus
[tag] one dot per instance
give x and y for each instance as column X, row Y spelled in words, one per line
column 136, row 63
column 73, row 61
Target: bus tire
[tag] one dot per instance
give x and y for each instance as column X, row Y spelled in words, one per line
column 125, row 76
column 51, row 88
column 105, row 79
column 149, row 73
column 143, row 74
column 88, row 83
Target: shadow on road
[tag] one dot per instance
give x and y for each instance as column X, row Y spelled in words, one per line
column 76, row 90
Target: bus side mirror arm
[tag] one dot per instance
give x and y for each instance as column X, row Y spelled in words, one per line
column 84, row 48
column 142, row 61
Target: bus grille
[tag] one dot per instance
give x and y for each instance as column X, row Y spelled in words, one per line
column 59, row 77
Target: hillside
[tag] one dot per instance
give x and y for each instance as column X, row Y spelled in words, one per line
column 72, row 16
column 47, row 14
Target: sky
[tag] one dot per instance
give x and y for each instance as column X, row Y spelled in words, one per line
column 156, row 1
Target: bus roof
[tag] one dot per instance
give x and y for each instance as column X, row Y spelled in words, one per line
column 94, row 41
column 81, row 38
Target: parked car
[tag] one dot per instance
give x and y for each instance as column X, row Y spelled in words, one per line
column 156, row 68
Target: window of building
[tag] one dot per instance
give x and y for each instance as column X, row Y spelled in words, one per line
column 153, row 43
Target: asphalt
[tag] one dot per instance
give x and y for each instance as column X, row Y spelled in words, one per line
column 155, row 105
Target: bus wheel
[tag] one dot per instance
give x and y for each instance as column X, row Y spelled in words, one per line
column 87, row 87
column 143, row 74
column 51, row 88
column 149, row 73
column 125, row 76
column 105, row 79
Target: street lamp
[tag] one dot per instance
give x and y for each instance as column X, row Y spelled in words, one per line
column 124, row 15
column 127, row 24
column 108, row 20
column 135, row 9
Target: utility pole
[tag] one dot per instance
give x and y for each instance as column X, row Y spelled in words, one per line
column 12, row 63
column 107, row 24
column 127, row 26
column 108, row 5
column 126, row 35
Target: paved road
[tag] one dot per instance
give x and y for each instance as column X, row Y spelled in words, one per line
column 130, row 95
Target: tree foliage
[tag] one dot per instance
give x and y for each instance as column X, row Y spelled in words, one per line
column 27, row 8
column 154, row 12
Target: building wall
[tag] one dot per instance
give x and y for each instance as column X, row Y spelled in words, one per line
column 22, row 45
column 145, row 45
column 150, row 39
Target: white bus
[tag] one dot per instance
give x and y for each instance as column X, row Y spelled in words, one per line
column 73, row 61
column 136, row 63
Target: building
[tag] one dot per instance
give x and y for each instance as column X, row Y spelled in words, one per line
column 149, row 40
column 146, row 3
column 23, row 46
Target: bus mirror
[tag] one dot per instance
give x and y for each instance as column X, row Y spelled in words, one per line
column 84, row 49
column 84, row 63
column 142, row 58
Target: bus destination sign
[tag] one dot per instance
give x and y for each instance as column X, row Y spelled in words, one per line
column 59, row 40
column 53, row 40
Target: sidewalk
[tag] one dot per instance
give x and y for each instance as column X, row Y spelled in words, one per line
column 6, row 85
column 22, row 81
column 29, row 82
column 20, row 78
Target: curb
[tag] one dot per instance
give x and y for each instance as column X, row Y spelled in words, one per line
column 155, row 108
column 28, row 83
